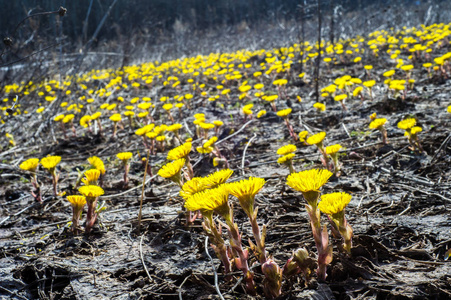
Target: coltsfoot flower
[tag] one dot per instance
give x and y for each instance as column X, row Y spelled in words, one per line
column 50, row 162
column 284, row 150
column 172, row 171
column 97, row 163
column 77, row 203
column 316, row 139
column 30, row 164
column 309, row 181
column 91, row 191
column 181, row 151
column 91, row 177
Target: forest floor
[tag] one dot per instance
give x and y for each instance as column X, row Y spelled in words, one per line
column 400, row 208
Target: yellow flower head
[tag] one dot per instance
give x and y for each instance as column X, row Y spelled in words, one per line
column 319, row 106
column 91, row 191
column 416, row 129
column 91, row 177
column 340, row 97
column 303, row 135
column 210, row 142
column 407, row 123
column 286, row 149
column 285, row 158
column 174, row 127
column 172, row 170
column 50, row 162
column 218, row 123
column 373, row 116
column 284, row 112
column 449, row 109
column 181, row 151
column 207, row 125
column 210, row 200
column 217, row 178
column 77, row 202
column 96, row 115
column 331, row 150
column 85, row 120
column 58, row 118
column 97, row 163
column 369, row 83
column 389, row 73
column 263, row 112
column 309, row 180
column 377, row 123
column 124, row 156
column 30, row 164
column 245, row 190
column 316, row 138
column 204, row 150
column 193, row 186
column 116, row 118
column 334, row 203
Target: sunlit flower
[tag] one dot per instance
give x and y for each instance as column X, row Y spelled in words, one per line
column 377, row 123
column 172, row 170
column 97, row 163
column 303, row 135
column 316, row 139
column 77, row 202
column 309, row 180
column 181, row 151
column 332, row 149
column 407, row 123
column 286, row 149
column 91, row 191
column 91, row 177
column 217, row 178
column 284, row 112
column 124, row 156
column 319, row 106
column 50, row 162
column 245, row 190
column 210, row 200
column 30, row 164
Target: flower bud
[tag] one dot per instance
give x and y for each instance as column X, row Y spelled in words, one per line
column 273, row 278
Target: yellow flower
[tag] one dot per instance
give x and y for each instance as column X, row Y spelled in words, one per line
column 174, row 127
column 124, row 156
column 407, row 67
column 316, row 138
column 377, row 123
column 285, row 158
column 193, row 186
column 30, row 164
column 96, row 115
column 217, row 178
column 303, row 135
column 286, row 149
column 167, row 106
column 50, row 162
column 91, row 191
column 204, row 150
column 270, row 98
column 416, row 129
column 284, row 112
column 369, row 83
column 319, row 106
column 309, row 180
column 449, row 109
column 407, row 123
column 334, row 203
column 340, row 97
column 172, row 170
column 245, row 190
column 210, row 200
column 97, row 163
column 116, row 118
column 373, row 116
column 92, row 176
column 280, row 82
column 68, row 118
column 210, row 142
column 85, row 120
column 181, row 151
column 218, row 123
column 58, row 118
column 333, row 149
column 207, row 125
column 261, row 113
column 77, row 202
column 389, row 73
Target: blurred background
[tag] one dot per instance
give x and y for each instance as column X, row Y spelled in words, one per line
column 114, row 33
